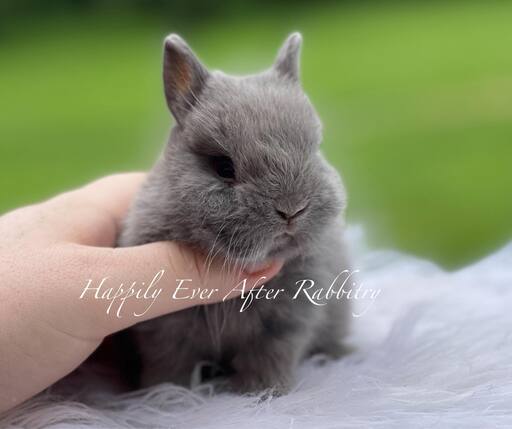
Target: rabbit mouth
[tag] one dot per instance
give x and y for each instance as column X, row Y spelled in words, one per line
column 284, row 239
column 284, row 247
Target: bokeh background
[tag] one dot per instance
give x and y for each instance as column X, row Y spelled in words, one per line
column 416, row 99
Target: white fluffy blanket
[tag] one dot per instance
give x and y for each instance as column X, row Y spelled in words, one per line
column 434, row 350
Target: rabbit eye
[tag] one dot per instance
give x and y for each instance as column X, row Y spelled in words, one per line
column 223, row 166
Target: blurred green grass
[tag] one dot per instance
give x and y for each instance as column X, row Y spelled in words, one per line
column 416, row 101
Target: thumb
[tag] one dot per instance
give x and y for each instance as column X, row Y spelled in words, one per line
column 133, row 284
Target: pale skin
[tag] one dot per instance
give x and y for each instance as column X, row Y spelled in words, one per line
column 47, row 253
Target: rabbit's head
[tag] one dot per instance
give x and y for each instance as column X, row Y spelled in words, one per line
column 242, row 172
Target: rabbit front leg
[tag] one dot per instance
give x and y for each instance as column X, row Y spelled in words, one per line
column 265, row 364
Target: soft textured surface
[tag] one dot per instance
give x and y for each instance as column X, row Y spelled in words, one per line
column 434, row 350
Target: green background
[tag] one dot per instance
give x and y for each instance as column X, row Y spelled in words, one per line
column 416, row 100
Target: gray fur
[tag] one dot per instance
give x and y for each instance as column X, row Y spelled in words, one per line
column 268, row 127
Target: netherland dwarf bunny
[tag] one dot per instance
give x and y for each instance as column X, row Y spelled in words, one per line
column 242, row 173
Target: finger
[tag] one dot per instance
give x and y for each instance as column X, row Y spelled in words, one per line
column 124, row 286
column 92, row 215
column 114, row 193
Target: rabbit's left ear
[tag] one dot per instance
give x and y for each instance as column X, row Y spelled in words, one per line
column 287, row 61
column 184, row 76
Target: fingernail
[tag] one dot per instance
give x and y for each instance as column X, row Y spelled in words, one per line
column 269, row 268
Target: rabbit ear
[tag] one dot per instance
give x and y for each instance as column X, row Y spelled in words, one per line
column 184, row 76
column 287, row 61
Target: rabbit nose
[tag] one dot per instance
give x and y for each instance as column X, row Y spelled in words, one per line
column 290, row 215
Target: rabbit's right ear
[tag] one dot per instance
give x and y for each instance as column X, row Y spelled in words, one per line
column 184, row 76
column 287, row 61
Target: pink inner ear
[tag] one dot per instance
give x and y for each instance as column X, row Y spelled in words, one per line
column 182, row 76
column 178, row 74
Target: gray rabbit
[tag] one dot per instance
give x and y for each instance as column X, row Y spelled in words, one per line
column 242, row 173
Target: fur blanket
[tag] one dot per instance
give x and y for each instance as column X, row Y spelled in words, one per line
column 433, row 350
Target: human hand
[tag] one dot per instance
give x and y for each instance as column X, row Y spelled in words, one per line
column 48, row 252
